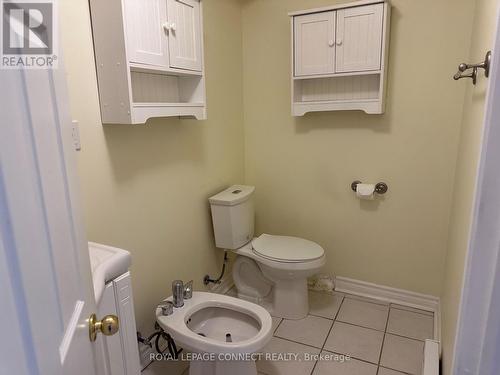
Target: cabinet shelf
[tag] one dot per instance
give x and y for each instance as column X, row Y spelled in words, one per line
column 144, row 68
column 347, row 74
column 159, row 104
column 369, row 106
column 339, row 101
column 141, row 112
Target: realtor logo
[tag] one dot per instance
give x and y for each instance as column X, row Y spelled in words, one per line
column 28, row 34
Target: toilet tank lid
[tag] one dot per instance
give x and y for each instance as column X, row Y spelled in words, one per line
column 232, row 196
column 287, row 249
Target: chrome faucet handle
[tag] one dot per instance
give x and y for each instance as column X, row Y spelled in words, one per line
column 188, row 290
column 167, row 308
column 178, row 293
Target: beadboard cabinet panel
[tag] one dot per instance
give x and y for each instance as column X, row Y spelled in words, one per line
column 359, row 38
column 146, row 39
column 315, row 44
column 185, row 34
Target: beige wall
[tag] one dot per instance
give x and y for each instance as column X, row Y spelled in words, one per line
column 145, row 188
column 465, row 178
column 303, row 167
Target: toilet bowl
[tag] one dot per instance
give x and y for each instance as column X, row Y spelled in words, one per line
column 227, row 329
column 270, row 270
column 273, row 270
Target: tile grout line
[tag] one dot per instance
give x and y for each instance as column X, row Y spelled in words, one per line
column 319, row 316
column 393, row 369
column 407, row 337
column 328, row 334
column 357, row 325
column 281, row 321
column 350, row 356
column 383, row 340
column 297, row 342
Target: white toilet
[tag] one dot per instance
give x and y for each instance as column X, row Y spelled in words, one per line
column 269, row 270
column 222, row 333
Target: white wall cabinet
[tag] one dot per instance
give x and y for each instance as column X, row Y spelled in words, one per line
column 339, row 57
column 149, row 59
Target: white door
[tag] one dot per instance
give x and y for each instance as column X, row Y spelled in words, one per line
column 314, row 43
column 359, row 38
column 46, row 291
column 185, row 34
column 477, row 345
column 146, row 32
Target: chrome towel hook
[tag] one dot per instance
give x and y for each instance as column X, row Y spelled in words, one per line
column 462, row 68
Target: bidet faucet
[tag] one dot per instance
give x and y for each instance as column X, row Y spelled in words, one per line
column 188, row 290
column 178, row 293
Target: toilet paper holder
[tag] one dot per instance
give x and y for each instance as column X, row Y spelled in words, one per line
column 380, row 188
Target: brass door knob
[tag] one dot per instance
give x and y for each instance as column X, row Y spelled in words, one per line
column 108, row 326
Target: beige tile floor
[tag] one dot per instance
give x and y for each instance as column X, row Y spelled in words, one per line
column 379, row 338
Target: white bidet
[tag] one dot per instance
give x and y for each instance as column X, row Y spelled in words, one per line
column 225, row 331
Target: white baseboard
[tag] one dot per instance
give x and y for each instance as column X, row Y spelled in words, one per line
column 393, row 295
column 431, row 358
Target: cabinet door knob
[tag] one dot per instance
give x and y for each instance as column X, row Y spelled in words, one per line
column 339, row 42
column 331, row 43
column 173, row 26
column 166, row 26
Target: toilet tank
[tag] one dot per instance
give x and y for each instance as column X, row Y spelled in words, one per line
column 233, row 216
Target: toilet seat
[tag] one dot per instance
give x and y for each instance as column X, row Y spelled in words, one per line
column 176, row 324
column 286, row 249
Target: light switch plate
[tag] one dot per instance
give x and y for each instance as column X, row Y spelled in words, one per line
column 75, row 132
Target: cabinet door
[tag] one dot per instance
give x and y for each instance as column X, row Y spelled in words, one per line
column 109, row 347
column 146, row 36
column 128, row 331
column 359, row 38
column 314, row 41
column 185, row 34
